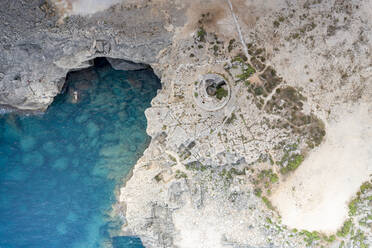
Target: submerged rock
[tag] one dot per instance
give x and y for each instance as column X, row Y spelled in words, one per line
column 83, row 79
column 28, row 143
column 51, row 148
column 93, row 129
column 135, row 83
column 60, row 164
column 33, row 159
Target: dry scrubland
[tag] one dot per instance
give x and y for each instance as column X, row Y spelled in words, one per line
column 282, row 163
column 285, row 163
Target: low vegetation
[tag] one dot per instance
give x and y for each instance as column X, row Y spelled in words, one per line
column 310, row 237
column 201, row 33
column 247, row 72
column 180, row 174
column 345, row 229
column 293, row 163
column 267, row 203
column 221, row 93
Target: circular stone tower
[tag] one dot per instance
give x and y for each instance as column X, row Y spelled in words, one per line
column 212, row 92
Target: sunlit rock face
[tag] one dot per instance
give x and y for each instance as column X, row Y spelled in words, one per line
column 83, row 7
column 40, row 46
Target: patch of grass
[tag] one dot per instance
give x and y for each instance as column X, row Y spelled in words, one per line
column 345, row 229
column 268, row 220
column 359, row 238
column 267, row 202
column 271, row 159
column 353, row 206
column 231, row 119
column 195, row 165
column 365, row 187
column 257, row 192
column 196, row 94
column 215, row 48
column 240, row 58
column 269, row 174
column 172, row 158
column 201, row 34
column 342, row 244
column 226, row 174
column 247, row 73
column 329, row 239
column 237, row 172
column 258, row 91
column 281, row 18
column 310, row 237
column 274, row 178
column 221, row 93
column 364, row 221
column 295, row 36
column 158, row 177
column 180, row 174
column 231, row 45
column 293, row 163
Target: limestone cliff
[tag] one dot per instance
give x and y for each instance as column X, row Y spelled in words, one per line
column 38, row 49
column 243, row 164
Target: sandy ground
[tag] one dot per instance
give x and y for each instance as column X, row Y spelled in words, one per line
column 315, row 197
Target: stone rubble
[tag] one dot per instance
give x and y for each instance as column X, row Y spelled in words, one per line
column 206, row 177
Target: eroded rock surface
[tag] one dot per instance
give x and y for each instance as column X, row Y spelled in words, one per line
column 37, row 51
column 287, row 81
column 207, row 177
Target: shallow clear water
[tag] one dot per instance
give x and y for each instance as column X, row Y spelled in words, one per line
column 58, row 171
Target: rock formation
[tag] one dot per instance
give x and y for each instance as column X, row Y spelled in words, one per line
column 296, row 70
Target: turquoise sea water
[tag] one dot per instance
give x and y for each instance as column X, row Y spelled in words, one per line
column 59, row 170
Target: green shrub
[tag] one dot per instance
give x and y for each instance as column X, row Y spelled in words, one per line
column 221, row 93
column 180, row 174
column 329, row 239
column 258, row 192
column 365, row 187
column 293, row 163
column 201, row 34
column 310, row 237
column 230, row 47
column 353, row 206
column 267, row 203
column 247, row 73
column 345, row 229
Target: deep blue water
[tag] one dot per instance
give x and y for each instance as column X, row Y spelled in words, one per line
column 59, row 170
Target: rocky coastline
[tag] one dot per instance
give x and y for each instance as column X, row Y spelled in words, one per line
column 219, row 160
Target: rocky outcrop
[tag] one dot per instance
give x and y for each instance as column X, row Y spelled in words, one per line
column 216, row 170
column 37, row 51
column 208, row 174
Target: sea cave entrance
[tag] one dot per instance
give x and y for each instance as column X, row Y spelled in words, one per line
column 59, row 170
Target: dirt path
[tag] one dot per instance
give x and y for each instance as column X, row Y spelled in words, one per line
column 315, row 197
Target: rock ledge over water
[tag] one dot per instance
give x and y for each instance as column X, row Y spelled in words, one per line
column 296, row 70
